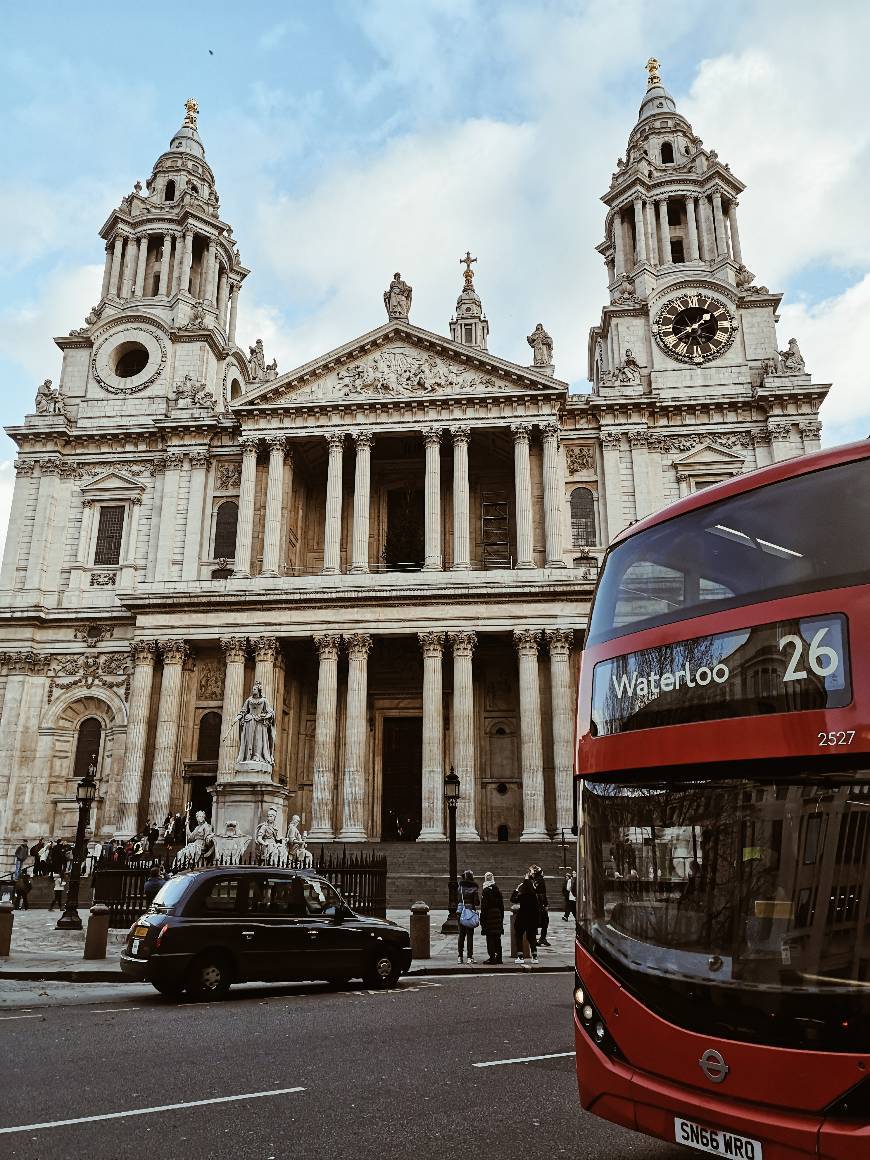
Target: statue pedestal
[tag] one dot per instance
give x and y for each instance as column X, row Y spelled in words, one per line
column 245, row 801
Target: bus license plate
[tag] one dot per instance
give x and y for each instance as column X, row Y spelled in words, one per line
column 716, row 1141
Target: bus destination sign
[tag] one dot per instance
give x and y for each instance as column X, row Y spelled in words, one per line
column 784, row 667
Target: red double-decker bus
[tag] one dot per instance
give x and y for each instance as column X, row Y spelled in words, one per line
column 722, row 998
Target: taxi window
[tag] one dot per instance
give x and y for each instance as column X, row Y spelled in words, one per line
column 319, row 895
column 281, row 897
column 220, row 896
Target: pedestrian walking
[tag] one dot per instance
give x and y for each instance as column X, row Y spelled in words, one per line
column 36, row 855
column 569, row 894
column 153, row 884
column 543, row 906
column 21, row 852
column 467, row 908
column 526, row 919
column 22, row 889
column 57, row 900
column 492, row 917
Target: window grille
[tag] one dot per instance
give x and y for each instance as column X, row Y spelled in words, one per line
column 582, row 518
column 225, row 530
column 110, row 532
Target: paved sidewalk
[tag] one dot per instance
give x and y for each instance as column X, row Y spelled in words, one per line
column 39, row 951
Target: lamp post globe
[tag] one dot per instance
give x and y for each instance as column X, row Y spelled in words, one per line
column 451, row 796
column 86, row 792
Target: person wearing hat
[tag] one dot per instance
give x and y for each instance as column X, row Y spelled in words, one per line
column 492, row 917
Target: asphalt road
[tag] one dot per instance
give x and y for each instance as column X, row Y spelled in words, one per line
column 382, row 1074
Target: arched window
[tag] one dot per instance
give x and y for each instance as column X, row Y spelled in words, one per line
column 209, row 740
column 169, row 191
column 87, row 746
column 235, row 389
column 225, row 530
column 582, row 518
column 667, row 153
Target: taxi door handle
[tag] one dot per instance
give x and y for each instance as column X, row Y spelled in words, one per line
column 248, row 934
column 312, row 934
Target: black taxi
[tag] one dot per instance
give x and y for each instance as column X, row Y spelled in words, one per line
column 208, row 929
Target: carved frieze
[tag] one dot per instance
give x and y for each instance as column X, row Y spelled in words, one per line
column 211, row 681
column 93, row 633
column 580, row 459
column 229, row 476
column 88, row 671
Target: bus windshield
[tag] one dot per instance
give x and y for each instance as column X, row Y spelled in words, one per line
column 802, row 534
column 735, row 905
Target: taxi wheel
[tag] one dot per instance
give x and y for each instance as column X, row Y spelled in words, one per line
column 208, row 977
column 383, row 971
column 169, row 990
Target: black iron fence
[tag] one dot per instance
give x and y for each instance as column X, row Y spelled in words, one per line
column 361, row 879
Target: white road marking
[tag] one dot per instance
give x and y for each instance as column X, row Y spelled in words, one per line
column 523, row 1059
column 9, row 1018
column 148, row 1111
column 112, row 1010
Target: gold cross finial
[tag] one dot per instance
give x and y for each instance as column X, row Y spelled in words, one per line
column 192, row 108
column 469, row 273
column 652, row 67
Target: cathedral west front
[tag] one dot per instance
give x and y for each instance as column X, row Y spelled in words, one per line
column 398, row 539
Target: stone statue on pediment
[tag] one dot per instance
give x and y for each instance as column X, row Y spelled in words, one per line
column 792, row 359
column 50, row 401
column 397, row 299
column 542, row 346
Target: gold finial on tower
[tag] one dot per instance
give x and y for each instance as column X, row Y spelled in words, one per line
column 468, row 275
column 192, row 108
column 652, row 67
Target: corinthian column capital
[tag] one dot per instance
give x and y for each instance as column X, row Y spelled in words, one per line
column 359, row 645
column 559, row 641
column 526, row 640
column 174, row 652
column 143, row 652
column 265, row 647
column 462, row 643
column 432, row 643
column 235, row 647
column 327, row 645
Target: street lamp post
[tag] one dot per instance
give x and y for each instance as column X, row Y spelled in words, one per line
column 451, row 796
column 86, row 791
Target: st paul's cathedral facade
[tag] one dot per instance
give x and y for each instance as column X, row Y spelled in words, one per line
column 398, row 539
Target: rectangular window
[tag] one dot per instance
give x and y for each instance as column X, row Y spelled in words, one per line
column 110, row 532
column 468, row 331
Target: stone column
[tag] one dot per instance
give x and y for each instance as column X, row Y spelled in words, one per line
column 736, row 252
column 222, row 297
column 127, row 578
column 332, row 528
column 20, row 501
column 174, row 653
column 433, row 561
column 46, row 502
column 811, row 434
column 554, row 496
column 186, row 262
column 107, row 274
column 432, row 830
column 708, row 245
column 266, row 650
column 523, row 487
column 140, row 267
column 694, row 252
column 277, row 445
column 463, row 734
column 640, row 471
column 165, row 260
column 137, row 735
column 245, row 532
column 653, row 232
column 781, row 446
column 616, row 521
column 353, row 829
column 362, row 485
column 206, row 279
column 639, row 230
column 193, row 529
column 665, row 231
column 234, row 308
column 619, row 242
column 117, row 252
column 128, row 267
column 534, row 827
column 719, row 226
column 168, row 516
column 461, row 528
column 323, row 791
column 234, row 648
column 560, row 641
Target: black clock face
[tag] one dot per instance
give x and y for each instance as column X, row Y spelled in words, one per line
column 694, row 328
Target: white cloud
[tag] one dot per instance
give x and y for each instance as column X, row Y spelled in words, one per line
column 62, row 300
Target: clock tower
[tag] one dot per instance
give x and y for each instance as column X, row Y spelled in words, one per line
column 686, row 355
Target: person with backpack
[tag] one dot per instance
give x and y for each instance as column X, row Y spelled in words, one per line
column 492, row 917
column 468, row 904
column 526, row 920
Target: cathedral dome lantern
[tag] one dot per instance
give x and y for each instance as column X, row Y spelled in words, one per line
column 469, row 325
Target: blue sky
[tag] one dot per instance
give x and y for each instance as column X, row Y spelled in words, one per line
column 350, row 140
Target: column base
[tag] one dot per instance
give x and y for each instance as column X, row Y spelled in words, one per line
column 358, row 569
column 534, row 836
column 460, row 568
column 330, row 572
column 432, row 836
column 321, row 836
column 433, row 565
column 269, row 572
column 352, row 836
column 239, row 575
column 467, row 836
column 560, row 563
column 526, row 564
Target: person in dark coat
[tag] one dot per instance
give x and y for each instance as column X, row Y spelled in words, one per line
column 526, row 920
column 569, row 895
column 22, row 890
column 492, row 917
column 468, row 896
column 543, row 906
column 153, row 884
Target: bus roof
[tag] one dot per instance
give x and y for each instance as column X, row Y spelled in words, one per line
column 800, row 465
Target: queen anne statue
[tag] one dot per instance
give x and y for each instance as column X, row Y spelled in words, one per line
column 256, row 720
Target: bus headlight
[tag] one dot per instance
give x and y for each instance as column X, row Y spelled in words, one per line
column 592, row 1021
column 588, row 1013
column 579, row 997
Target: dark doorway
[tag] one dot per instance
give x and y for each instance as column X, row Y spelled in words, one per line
column 87, row 746
column 404, row 547
column 200, row 798
column 401, row 779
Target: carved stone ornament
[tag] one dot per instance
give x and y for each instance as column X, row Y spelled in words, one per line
column 189, row 393
column 260, row 370
column 104, row 579
column 88, row 671
column 265, row 648
column 397, row 298
column 526, row 640
column 359, row 645
column 135, row 384
column 143, row 652
column 580, row 459
column 50, row 401
column 328, row 645
column 611, row 440
column 400, row 372
column 627, row 372
column 229, row 476
column 198, row 319
column 779, row 430
column 542, row 346
column 174, row 652
column 623, row 293
column 462, row 643
column 810, row 428
column 93, row 633
column 521, row 432
column 745, row 283
column 235, row 648
column 211, row 681
column 559, row 640
column 432, row 643
column 24, row 466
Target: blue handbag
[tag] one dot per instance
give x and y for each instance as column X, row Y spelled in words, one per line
column 468, row 916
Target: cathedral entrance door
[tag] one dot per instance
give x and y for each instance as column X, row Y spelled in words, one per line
column 404, row 546
column 401, row 779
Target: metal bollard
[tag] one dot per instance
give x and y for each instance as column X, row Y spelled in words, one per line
column 97, row 934
column 7, row 917
column 420, row 928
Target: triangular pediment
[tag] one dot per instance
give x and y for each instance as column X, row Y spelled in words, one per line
column 398, row 361
column 110, row 483
column 710, row 455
